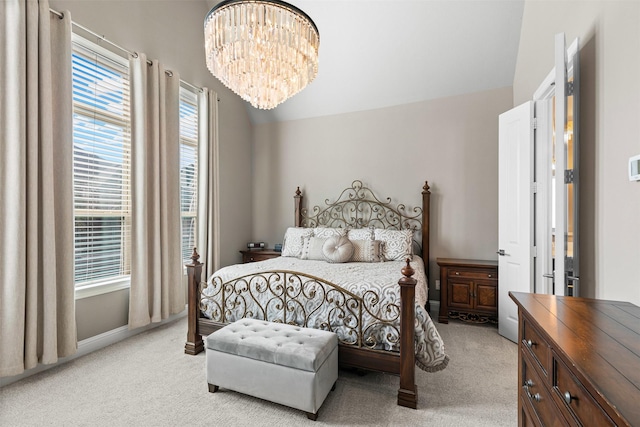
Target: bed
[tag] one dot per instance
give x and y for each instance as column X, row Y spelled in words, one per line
column 331, row 276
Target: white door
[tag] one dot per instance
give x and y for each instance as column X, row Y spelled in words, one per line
column 515, row 212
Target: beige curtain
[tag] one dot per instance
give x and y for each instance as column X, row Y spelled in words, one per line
column 156, row 263
column 37, row 302
column 208, row 195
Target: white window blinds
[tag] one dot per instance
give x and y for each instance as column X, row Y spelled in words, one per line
column 188, row 170
column 101, row 164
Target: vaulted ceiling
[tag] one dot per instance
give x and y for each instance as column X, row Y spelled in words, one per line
column 376, row 54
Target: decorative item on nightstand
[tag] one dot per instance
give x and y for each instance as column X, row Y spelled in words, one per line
column 468, row 291
column 255, row 245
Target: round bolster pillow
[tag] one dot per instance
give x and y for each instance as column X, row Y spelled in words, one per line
column 338, row 249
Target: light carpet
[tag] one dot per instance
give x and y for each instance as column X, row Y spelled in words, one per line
column 147, row 380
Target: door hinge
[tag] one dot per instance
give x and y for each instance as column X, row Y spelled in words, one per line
column 534, row 123
column 568, row 176
column 534, row 187
column 569, row 88
column 535, row 251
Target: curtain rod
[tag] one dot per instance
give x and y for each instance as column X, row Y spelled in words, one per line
column 134, row 54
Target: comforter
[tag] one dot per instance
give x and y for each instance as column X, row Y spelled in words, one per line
column 367, row 314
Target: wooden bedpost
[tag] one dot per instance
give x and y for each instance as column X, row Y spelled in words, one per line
column 297, row 205
column 408, row 392
column 426, row 205
column 194, row 344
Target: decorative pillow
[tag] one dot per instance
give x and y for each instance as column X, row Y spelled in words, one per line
column 337, row 249
column 326, row 232
column 397, row 245
column 360, row 234
column 367, row 251
column 293, row 240
column 312, row 248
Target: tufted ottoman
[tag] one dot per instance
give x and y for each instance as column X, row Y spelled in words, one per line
column 285, row 364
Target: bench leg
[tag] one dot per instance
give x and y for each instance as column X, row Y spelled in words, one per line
column 312, row 416
column 213, row 388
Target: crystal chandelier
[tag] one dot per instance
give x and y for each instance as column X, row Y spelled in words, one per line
column 265, row 51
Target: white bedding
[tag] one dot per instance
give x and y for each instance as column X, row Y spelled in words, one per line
column 376, row 283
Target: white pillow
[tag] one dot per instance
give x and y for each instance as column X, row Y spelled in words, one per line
column 293, row 241
column 397, row 245
column 337, row 249
column 326, row 232
column 367, row 251
column 312, row 248
column 360, row 234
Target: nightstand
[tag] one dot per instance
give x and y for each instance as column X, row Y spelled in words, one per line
column 468, row 290
column 254, row 255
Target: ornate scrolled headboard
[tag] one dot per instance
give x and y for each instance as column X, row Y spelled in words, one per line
column 358, row 207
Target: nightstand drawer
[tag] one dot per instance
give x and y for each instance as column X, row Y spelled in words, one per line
column 258, row 255
column 476, row 273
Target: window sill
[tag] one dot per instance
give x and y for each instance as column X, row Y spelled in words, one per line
column 95, row 289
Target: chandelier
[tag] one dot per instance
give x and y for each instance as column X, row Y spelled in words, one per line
column 265, row 51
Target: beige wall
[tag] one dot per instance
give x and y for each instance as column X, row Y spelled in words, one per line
column 609, row 34
column 171, row 32
column 451, row 142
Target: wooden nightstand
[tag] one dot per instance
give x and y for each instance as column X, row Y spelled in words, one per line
column 468, row 289
column 254, row 255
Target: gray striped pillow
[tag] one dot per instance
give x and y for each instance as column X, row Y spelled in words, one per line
column 367, row 251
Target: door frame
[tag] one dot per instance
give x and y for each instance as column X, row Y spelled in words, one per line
column 543, row 108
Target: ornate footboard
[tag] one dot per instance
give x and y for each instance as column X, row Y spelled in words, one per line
column 304, row 300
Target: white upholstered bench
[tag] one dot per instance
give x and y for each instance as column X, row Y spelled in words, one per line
column 285, row 364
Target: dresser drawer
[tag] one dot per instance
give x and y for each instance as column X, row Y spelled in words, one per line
column 536, row 396
column 571, row 395
column 475, row 273
column 532, row 340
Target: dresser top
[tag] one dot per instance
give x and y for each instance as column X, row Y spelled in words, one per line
column 601, row 339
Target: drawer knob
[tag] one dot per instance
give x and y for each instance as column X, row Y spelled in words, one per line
column 457, row 273
column 530, row 343
column 488, row 275
column 535, row 397
column 568, row 397
column 528, row 383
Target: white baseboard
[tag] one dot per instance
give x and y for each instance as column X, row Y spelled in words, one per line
column 92, row 344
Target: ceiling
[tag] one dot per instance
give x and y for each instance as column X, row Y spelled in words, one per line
column 376, row 54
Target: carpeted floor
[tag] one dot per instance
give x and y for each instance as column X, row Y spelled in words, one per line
column 147, row 380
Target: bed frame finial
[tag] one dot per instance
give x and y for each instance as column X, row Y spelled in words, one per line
column 408, row 271
column 195, row 256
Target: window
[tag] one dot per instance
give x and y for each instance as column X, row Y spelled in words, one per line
column 101, row 164
column 188, row 171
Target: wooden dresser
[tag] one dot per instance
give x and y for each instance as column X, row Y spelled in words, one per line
column 468, row 286
column 254, row 255
column 579, row 361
